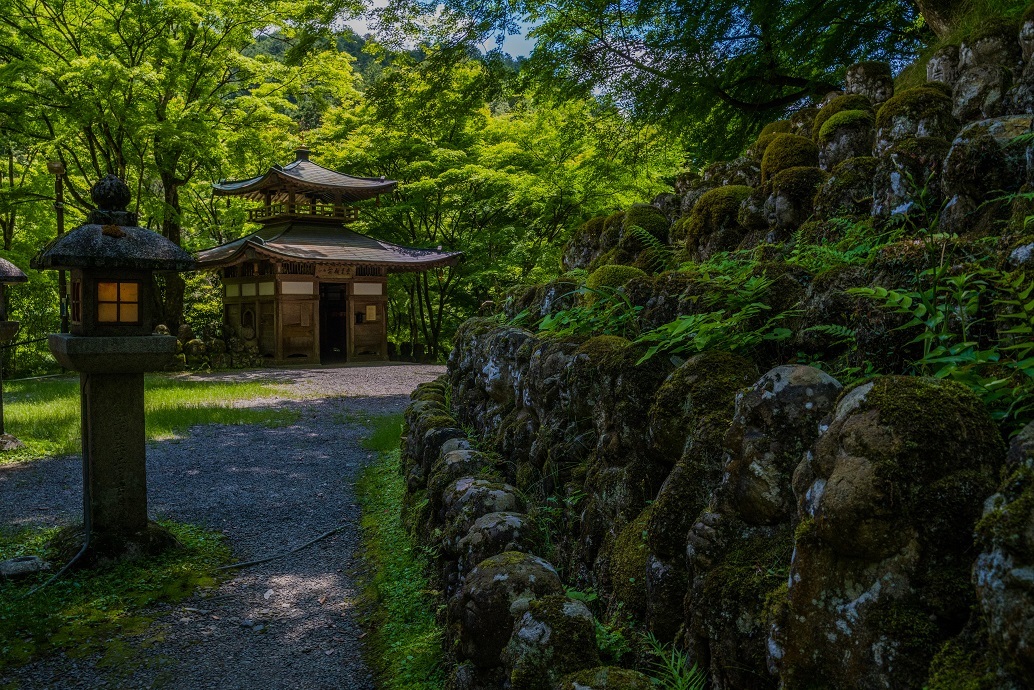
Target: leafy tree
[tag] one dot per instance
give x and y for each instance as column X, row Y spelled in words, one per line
column 717, row 69
column 501, row 176
column 155, row 92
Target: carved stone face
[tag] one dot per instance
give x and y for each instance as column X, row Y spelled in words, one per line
column 943, row 67
column 877, row 85
column 774, row 421
column 850, row 504
column 1027, row 39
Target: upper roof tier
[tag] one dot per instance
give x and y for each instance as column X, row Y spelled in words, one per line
column 310, row 183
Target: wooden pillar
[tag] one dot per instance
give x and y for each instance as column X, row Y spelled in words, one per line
column 350, row 321
column 278, row 320
column 290, row 202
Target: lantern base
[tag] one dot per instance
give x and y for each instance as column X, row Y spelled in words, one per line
column 113, row 354
column 106, row 548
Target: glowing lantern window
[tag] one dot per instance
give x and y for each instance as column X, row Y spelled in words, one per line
column 118, row 302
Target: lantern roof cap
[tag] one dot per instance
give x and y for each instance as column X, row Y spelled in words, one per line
column 9, row 273
column 111, row 239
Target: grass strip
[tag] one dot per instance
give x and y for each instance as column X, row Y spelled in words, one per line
column 44, row 413
column 404, row 641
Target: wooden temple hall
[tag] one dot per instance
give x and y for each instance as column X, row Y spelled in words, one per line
column 305, row 288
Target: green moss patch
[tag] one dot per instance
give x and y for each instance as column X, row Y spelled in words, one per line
column 628, row 566
column 839, row 104
column 777, row 127
column 99, row 611
column 716, row 208
column 788, row 151
column 613, row 276
column 845, row 119
column 916, row 104
column 799, row 184
column 648, row 218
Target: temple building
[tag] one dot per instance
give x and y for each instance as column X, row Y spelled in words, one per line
column 305, row 288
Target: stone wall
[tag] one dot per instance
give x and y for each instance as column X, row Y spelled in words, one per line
column 781, row 530
column 778, row 528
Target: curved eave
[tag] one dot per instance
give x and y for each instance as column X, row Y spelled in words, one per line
column 437, row 261
column 276, row 180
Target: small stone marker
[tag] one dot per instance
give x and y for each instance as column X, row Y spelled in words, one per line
column 22, row 566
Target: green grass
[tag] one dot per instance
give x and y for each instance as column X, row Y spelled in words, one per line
column 404, row 644
column 98, row 611
column 44, row 413
column 385, row 433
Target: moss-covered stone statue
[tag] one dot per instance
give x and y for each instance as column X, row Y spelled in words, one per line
column 888, row 499
column 750, row 522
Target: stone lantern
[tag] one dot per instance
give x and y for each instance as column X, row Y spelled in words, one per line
column 111, row 344
column 9, row 273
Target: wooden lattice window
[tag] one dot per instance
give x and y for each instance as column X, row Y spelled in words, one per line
column 118, row 302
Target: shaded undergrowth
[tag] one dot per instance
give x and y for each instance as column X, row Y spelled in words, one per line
column 403, row 644
column 101, row 610
column 44, row 413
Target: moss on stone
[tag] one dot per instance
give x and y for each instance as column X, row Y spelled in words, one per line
column 606, row 678
column 777, row 127
column 931, row 409
column 648, row 218
column 848, row 190
column 613, row 276
column 757, row 150
column 697, row 400
column 963, row 663
column 569, row 646
column 916, row 104
column 679, row 230
column 611, row 233
column 788, row 151
column 853, row 101
column 845, row 119
column 799, row 184
column 940, row 86
column 628, row 566
column 612, row 257
column 747, row 580
column 1006, row 524
column 716, row 209
column 602, row 346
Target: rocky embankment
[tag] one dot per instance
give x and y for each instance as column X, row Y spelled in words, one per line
column 779, row 528
column 783, row 530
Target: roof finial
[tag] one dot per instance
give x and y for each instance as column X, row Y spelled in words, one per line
column 111, row 195
column 301, row 153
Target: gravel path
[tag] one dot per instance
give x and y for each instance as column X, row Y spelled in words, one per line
column 286, row 624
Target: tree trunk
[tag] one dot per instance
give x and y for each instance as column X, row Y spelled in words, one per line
column 172, row 306
column 941, row 15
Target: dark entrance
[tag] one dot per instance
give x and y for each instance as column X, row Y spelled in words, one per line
column 333, row 322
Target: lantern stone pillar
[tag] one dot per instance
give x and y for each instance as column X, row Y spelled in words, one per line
column 9, row 273
column 112, row 344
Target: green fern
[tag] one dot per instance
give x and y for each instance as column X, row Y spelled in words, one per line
column 662, row 257
column 671, row 669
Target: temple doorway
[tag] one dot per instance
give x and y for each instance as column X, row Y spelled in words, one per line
column 333, row 322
